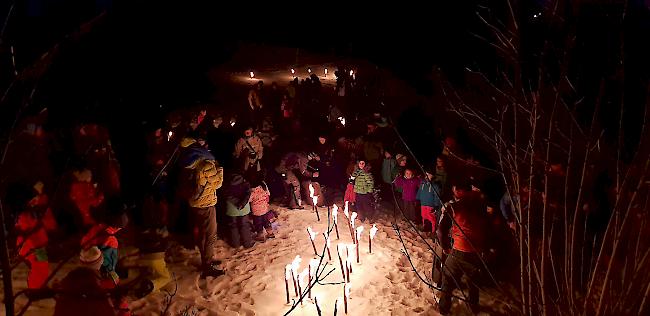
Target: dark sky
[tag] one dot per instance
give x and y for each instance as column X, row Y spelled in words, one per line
column 409, row 39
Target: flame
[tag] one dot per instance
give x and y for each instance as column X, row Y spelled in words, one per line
column 359, row 231
column 314, row 199
column 293, row 71
column 351, row 72
column 335, row 213
column 313, row 263
column 311, row 190
column 303, row 275
column 252, row 74
column 351, row 251
column 326, row 71
column 345, row 210
column 169, row 135
column 312, row 234
column 327, row 242
column 309, row 69
column 354, row 217
column 347, row 290
column 341, row 119
column 287, row 272
column 373, row 231
column 295, row 264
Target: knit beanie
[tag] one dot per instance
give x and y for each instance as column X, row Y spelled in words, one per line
column 91, row 258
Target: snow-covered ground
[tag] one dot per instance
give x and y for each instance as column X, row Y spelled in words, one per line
column 381, row 284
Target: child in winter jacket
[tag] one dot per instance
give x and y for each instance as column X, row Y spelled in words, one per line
column 31, row 244
column 409, row 186
column 102, row 235
column 259, row 201
column 429, row 197
column 237, row 193
column 364, row 187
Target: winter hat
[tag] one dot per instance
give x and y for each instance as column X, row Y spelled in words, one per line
column 91, row 258
column 186, row 142
column 400, row 157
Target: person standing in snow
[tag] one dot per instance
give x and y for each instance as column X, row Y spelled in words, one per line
column 249, row 150
column 237, row 192
column 429, row 196
column 464, row 218
column 203, row 176
column 364, row 187
column 409, row 186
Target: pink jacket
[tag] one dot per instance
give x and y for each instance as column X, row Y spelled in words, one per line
column 259, row 200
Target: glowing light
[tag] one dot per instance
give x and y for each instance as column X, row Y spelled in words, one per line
column 169, row 135
column 373, row 231
column 341, row 119
column 351, row 73
column 311, row 190
column 287, row 272
column 312, row 234
column 252, row 74
column 293, row 71
column 295, row 264
column 325, row 72
column 335, row 213
column 309, row 70
column 359, row 231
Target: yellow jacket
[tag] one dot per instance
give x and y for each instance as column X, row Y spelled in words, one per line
column 209, row 178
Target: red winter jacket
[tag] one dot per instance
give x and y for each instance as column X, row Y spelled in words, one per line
column 467, row 220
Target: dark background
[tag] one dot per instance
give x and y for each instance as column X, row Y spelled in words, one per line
column 147, row 53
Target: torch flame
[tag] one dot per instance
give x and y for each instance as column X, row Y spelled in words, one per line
column 313, row 263
column 303, row 275
column 252, row 74
column 287, row 272
column 373, row 231
column 314, row 199
column 312, row 234
column 354, row 216
column 295, row 264
column 169, row 135
column 359, row 231
column 345, row 210
column 311, row 190
column 293, row 71
column 335, row 213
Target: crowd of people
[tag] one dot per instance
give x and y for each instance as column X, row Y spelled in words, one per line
column 215, row 172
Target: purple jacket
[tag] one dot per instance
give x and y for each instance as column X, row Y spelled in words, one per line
column 409, row 187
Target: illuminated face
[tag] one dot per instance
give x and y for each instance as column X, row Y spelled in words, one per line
column 362, row 164
column 402, row 163
column 458, row 193
column 322, row 140
column 408, row 174
column 248, row 132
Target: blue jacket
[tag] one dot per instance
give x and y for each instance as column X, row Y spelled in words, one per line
column 427, row 194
